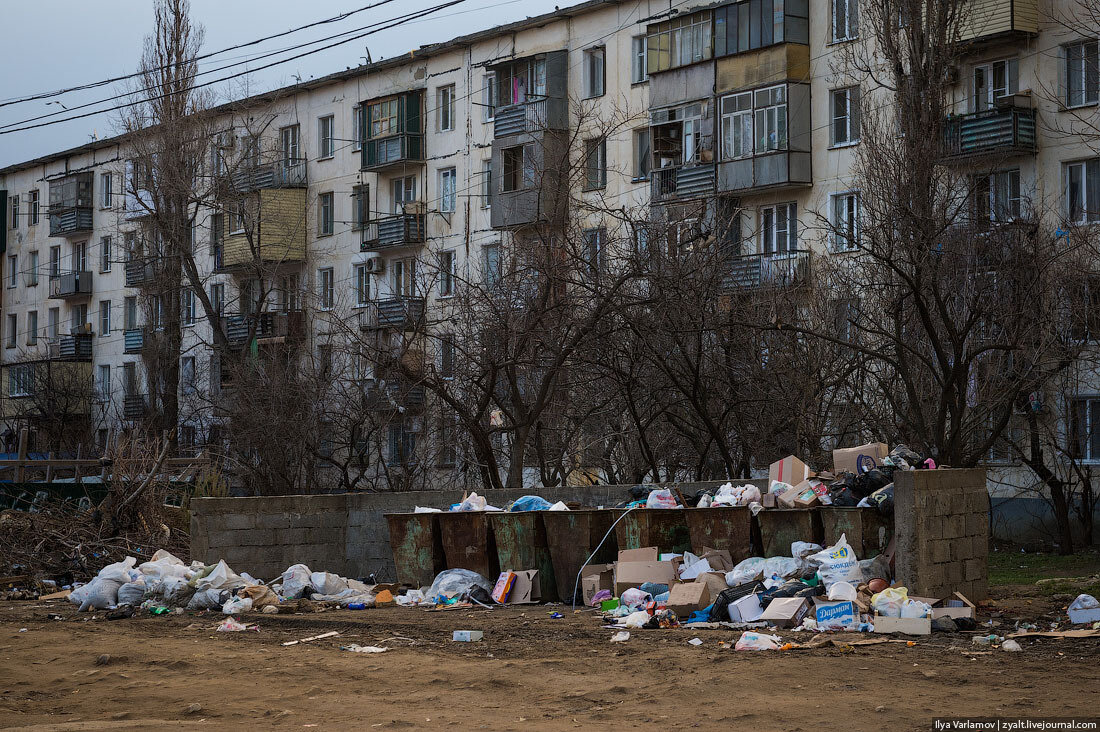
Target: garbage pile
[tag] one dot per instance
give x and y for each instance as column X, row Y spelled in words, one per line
column 474, row 502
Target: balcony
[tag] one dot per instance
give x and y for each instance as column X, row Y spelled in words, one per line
column 139, row 271
column 71, row 284
column 400, row 313
column 384, row 396
column 273, row 327
column 998, row 20
column 281, row 173
column 278, row 233
column 393, row 131
column 768, row 270
column 517, row 119
column 1006, row 131
column 134, row 406
column 394, row 231
column 394, row 151
column 73, row 347
column 682, row 182
column 70, row 220
column 71, row 204
column 133, row 340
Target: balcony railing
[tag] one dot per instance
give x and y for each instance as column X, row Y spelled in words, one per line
column 1000, row 131
column 134, row 406
column 766, row 270
column 71, row 284
column 139, row 271
column 74, row 347
column 281, row 173
column 402, row 313
column 67, row 220
column 268, row 326
column 386, row 395
column 394, row 231
column 394, row 150
column 530, row 116
column 133, row 340
column 685, row 181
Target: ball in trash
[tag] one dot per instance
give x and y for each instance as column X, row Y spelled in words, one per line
column 877, row 585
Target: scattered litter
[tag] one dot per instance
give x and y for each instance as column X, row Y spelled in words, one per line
column 1011, row 645
column 232, row 625
column 356, row 648
column 329, row 634
column 696, row 642
column 752, row 641
column 621, row 637
column 467, row 636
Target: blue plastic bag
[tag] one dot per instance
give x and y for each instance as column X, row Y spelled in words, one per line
column 530, row 503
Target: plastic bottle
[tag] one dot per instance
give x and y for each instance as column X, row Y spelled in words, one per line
column 357, row 606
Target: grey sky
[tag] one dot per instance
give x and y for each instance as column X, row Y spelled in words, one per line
column 55, row 44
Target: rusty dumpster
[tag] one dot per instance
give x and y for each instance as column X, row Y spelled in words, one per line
column 866, row 530
column 521, row 544
column 572, row 537
column 723, row 527
column 468, row 542
column 664, row 528
column 781, row 527
column 417, row 547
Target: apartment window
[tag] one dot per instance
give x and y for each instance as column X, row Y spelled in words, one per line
column 1082, row 191
column 14, row 222
column 106, row 189
column 361, row 202
column 103, row 382
column 771, row 119
column 104, row 317
column 845, row 216
column 447, row 273
column 404, row 277
column 362, row 285
column 32, row 327
column 383, row 118
column 751, row 24
column 289, row 138
column 327, row 291
column 217, row 298
column 736, row 126
column 53, row 323
column 55, row 261
column 779, row 228
column 32, row 205
column 325, row 214
column 845, row 110
column 129, row 312
column 447, row 189
column 486, row 183
column 993, row 81
column 643, row 158
column 21, row 380
column 594, row 76
column 595, row 156
column 105, row 254
column 357, row 128
column 1084, row 428
column 679, row 42
column 489, row 97
column 513, row 169
column 997, row 197
column 156, row 311
column 447, row 355
column 32, row 270
column 326, row 136
column 404, row 191
column 594, row 243
column 13, row 330
column 845, row 20
column 80, row 257
column 187, row 307
column 187, row 374
column 1082, row 73
column 492, row 265
column 402, row 445
column 13, row 270
column 290, row 293
column 445, row 103
column 638, row 70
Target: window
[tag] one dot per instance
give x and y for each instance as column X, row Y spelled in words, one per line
column 55, row 262
column 447, row 273
column 489, row 97
column 845, row 215
column 156, row 311
column 779, row 229
column 289, row 293
column 357, row 127
column 53, row 323
column 80, row 257
column 594, row 248
column 13, row 329
column 32, row 327
column 594, row 72
column 517, row 168
column 105, row 254
column 679, row 42
column 1082, row 73
column 383, row 118
column 751, row 24
column 103, row 382
column 14, row 221
column 486, row 183
column 845, row 110
column 327, row 292
column 643, row 158
column 106, row 189
column 845, row 20
column 187, row 307
column 771, row 119
column 326, row 136
column 492, row 265
column 32, row 270
column 361, row 203
column 595, row 157
column 1082, row 191
column 13, row 270
column 32, row 201
column 187, row 374
column 404, row 277
column 325, row 215
column 404, row 191
column 402, row 445
column 129, row 312
column 21, row 380
column 447, row 187
column 993, row 81
column 1084, row 428
column 638, row 70
column 845, row 311
column 288, row 144
column 362, row 285
column 737, row 126
column 447, row 355
column 104, row 317
column 445, row 103
column 997, row 197
column 217, row 298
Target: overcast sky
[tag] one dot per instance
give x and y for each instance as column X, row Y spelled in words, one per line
column 56, row 44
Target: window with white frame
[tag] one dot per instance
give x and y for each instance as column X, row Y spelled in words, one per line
column 105, row 254
column 53, row 323
column 288, row 145
column 997, row 197
column 326, row 288
column 13, row 214
column 21, row 380
column 32, row 270
column 360, row 196
column 489, row 97
column 13, row 330
column 643, row 157
column 55, row 261
column 683, row 40
column 404, row 277
column 33, row 207
column 845, row 20
column 106, row 189
column 594, row 72
column 779, row 228
column 595, row 157
column 994, row 80
column 845, row 220
column 844, row 106
column 493, row 264
column 638, row 70
column 357, row 130
column 736, row 126
column 448, row 180
column 486, row 183
column 1081, row 73
column 32, row 327
column 594, row 244
column 771, row 119
column 1084, row 428
column 326, row 216
column 187, row 375
column 290, row 293
column 447, row 273
column 1081, row 191
column 80, row 256
column 187, row 307
column 445, row 103
column 326, row 136
column 103, row 382
column 217, row 298
column 362, row 285
column 13, row 270
column 105, row 317
column 404, row 192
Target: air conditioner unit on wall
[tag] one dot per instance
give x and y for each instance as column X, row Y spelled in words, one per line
column 376, row 265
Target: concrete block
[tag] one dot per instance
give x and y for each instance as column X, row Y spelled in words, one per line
column 941, row 552
column 976, row 524
column 240, row 520
column 954, row 526
column 974, row 569
column 953, row 572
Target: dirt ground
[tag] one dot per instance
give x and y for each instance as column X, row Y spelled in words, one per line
column 531, row 672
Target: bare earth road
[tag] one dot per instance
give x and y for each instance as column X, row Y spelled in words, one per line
column 530, row 672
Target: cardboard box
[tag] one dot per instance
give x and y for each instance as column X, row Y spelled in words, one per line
column 716, row 581
column 767, row 500
column 788, row 470
column 645, row 554
column 909, row 626
column 687, row 597
column 636, row 574
column 746, row 609
column 836, row 615
column 807, row 496
column 720, row 559
column 786, row 498
column 786, row 612
column 503, row 587
column 597, row 577
column 957, row 606
column 847, row 460
column 526, row 589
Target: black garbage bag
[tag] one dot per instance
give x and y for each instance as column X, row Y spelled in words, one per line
column 866, row 484
column 817, row 590
column 843, row 496
column 883, row 499
column 638, row 492
column 790, row 588
column 719, row 610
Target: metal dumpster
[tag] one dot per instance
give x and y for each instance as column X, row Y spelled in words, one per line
column 521, row 544
column 572, row 536
column 468, row 542
column 724, row 527
column 664, row 528
column 417, row 547
column 866, row 530
column 781, row 527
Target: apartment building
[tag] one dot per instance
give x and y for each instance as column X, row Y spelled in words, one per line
column 742, row 110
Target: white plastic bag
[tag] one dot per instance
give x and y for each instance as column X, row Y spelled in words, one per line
column 634, row 597
column 237, row 605
column 785, row 567
column 803, row 549
column 889, row 602
column 456, row 582
column 219, row 577
column 1084, row 602
column 842, row 591
column 422, row 509
column 753, row 641
column 131, row 593
column 211, row 599
column 559, row 506
column 742, row 495
column 119, row 571
column 916, row 609
column 100, row 594
column 746, row 571
column 327, row 583
column 636, row 620
column 838, row 563
column 473, row 502
column 661, row 499
column 295, row 580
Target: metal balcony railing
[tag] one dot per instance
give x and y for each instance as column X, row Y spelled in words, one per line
column 139, row 271
column 133, row 340
column 1008, row 130
column 530, row 116
column 394, row 231
column 71, row 284
column 765, row 270
column 386, row 395
column 268, row 325
column 74, row 347
column 401, row 313
column 134, row 406
column 68, row 220
column 281, row 173
column 684, row 181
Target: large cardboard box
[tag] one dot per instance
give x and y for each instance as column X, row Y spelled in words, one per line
column 716, row 581
column 909, row 626
column 746, row 609
column 786, row 612
column 596, row 577
column 720, row 559
column 687, row 597
column 526, row 589
column 645, row 554
column 788, row 470
column 957, row 606
column 847, row 459
column 636, row 574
